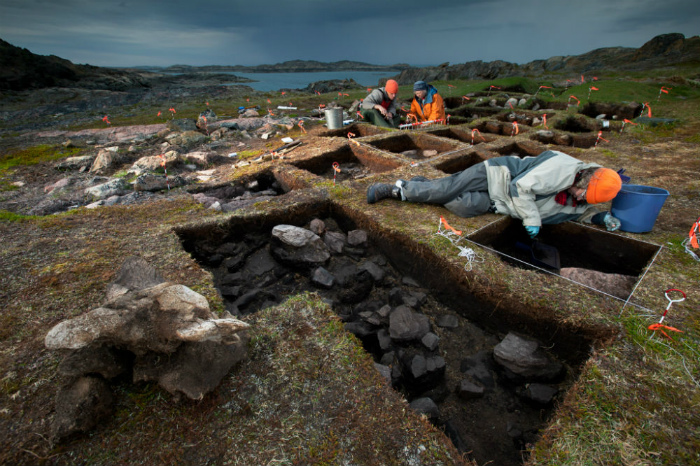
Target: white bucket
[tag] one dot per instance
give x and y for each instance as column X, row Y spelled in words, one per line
column 334, row 118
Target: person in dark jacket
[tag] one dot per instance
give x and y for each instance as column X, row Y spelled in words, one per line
column 379, row 107
column 548, row 189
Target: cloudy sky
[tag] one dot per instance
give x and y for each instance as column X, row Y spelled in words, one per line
column 251, row 32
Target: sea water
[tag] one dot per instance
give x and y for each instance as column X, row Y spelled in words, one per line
column 274, row 81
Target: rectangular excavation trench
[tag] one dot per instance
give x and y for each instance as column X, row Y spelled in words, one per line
column 591, row 256
column 353, row 161
column 414, row 145
column 493, row 427
column 463, row 135
column 358, row 130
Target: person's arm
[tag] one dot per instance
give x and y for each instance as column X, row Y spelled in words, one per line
column 415, row 109
column 373, row 99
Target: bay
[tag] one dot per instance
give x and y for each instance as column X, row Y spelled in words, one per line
column 266, row 82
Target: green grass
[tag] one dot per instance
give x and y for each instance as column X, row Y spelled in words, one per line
column 6, row 216
column 34, row 155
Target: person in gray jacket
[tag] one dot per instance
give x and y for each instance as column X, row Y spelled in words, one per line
column 379, row 107
column 548, row 189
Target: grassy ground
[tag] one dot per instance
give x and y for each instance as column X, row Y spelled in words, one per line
column 308, row 394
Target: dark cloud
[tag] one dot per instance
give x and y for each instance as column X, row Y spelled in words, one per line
column 132, row 32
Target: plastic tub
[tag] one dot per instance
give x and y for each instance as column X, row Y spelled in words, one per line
column 334, row 118
column 638, row 206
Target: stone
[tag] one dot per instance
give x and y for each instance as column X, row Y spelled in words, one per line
column 540, row 394
column 406, row 325
column 430, row 341
column 295, row 246
column 194, row 369
column 524, row 358
column 115, row 187
column 357, row 238
column 468, row 390
column 80, row 406
column 425, row 406
column 76, row 163
column 447, row 321
column 323, row 278
column 335, row 241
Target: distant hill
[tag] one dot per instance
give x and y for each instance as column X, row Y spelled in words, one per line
column 664, row 51
column 292, row 66
column 21, row 69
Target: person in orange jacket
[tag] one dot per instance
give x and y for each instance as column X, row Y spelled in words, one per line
column 427, row 104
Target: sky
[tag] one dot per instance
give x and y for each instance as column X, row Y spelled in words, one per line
column 123, row 33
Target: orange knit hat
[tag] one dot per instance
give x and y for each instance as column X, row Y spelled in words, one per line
column 604, row 186
column 391, row 86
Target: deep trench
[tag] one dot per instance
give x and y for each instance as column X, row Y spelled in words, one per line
column 501, row 425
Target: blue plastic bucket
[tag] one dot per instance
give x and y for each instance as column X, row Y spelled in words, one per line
column 638, row 206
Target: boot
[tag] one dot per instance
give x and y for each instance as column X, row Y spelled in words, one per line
column 379, row 191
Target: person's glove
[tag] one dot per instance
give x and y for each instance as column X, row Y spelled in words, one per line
column 532, row 231
column 611, row 223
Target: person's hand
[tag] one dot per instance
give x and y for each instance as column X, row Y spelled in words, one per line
column 381, row 110
column 532, row 231
column 611, row 223
column 388, row 115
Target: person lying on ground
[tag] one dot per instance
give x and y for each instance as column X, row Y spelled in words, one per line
column 379, row 107
column 548, row 189
column 427, row 104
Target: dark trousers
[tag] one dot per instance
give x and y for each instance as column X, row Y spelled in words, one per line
column 464, row 193
column 373, row 116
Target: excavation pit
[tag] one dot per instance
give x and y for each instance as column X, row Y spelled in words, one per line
column 462, row 135
column 472, row 113
column 612, row 111
column 414, row 145
column 451, row 374
column 357, row 129
column 231, row 197
column 607, row 262
column 520, row 149
column 459, row 163
column 353, row 162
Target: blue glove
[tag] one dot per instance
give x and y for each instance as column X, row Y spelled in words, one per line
column 611, row 223
column 532, row 231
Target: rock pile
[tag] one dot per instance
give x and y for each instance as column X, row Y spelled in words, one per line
column 150, row 330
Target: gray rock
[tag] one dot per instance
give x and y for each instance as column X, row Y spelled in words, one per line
column 540, row 394
column 80, row 406
column 524, row 358
column 357, row 238
column 335, row 241
column 374, row 270
column 151, row 182
column 194, row 370
column 76, row 163
column 425, row 406
column 115, row 187
column 430, row 341
column 323, row 278
column 385, row 371
column 448, row 321
column 468, row 390
column 406, row 325
column 295, row 246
